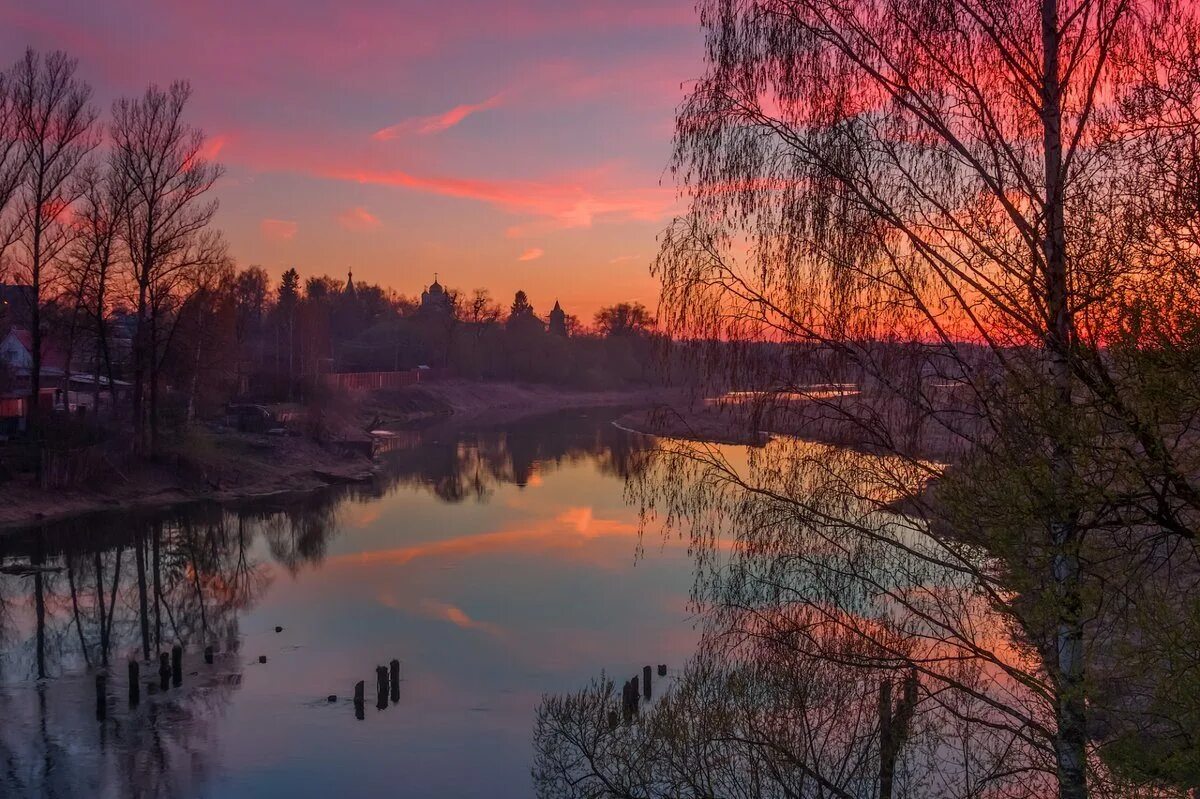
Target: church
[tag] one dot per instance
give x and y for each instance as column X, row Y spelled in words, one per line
column 435, row 300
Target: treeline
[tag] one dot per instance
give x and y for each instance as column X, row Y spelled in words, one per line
column 134, row 308
column 289, row 333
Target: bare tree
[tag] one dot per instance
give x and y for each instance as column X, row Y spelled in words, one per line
column 14, row 156
column 161, row 159
column 949, row 206
column 55, row 120
column 95, row 259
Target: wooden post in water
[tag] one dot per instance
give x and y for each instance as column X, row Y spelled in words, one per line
column 101, row 697
column 135, row 685
column 360, row 689
column 381, row 687
column 164, row 671
column 208, row 654
column 646, row 682
column 635, row 693
column 395, row 675
column 662, row 669
column 177, row 665
column 626, row 705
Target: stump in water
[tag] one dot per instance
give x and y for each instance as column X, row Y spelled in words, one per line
column 177, row 665
column 208, row 654
column 381, row 687
column 360, row 690
column 662, row 669
column 164, row 671
column 629, row 698
column 646, row 682
column 395, row 677
column 101, row 697
column 135, row 687
column 262, row 658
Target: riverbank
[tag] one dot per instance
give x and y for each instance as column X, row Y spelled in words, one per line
column 216, row 463
column 836, row 419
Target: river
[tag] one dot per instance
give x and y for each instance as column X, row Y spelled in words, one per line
column 496, row 565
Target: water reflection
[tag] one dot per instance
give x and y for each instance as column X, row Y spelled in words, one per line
column 849, row 650
column 496, row 562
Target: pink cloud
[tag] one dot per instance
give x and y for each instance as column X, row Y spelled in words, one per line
column 213, row 146
column 570, row 203
column 358, row 219
column 532, row 254
column 278, row 229
column 438, row 122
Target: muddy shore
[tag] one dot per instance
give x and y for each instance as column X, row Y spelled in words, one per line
column 223, row 465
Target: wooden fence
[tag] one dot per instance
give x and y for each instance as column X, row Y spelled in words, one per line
column 372, row 381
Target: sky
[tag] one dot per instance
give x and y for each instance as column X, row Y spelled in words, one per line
column 506, row 145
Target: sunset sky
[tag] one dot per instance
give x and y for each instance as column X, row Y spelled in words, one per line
column 508, row 145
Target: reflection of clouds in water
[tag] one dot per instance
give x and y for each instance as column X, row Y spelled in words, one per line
column 551, row 579
column 456, row 616
column 440, row 611
column 569, row 530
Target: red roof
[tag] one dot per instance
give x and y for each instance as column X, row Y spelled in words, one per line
column 53, row 357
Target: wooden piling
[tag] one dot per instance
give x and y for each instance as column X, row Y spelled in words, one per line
column 662, row 669
column 637, row 692
column 360, row 689
column 177, row 665
column 135, row 685
column 101, row 697
column 164, row 671
column 381, row 687
column 646, row 682
column 208, row 654
column 626, row 705
column 395, row 677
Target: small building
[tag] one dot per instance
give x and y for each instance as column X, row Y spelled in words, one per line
column 57, row 390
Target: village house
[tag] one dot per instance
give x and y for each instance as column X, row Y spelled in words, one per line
column 59, row 390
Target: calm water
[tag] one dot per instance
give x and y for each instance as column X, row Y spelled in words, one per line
column 497, row 565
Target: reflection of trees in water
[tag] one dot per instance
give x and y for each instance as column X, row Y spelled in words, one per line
column 108, row 591
column 470, row 464
column 818, row 599
column 125, row 587
column 50, row 744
